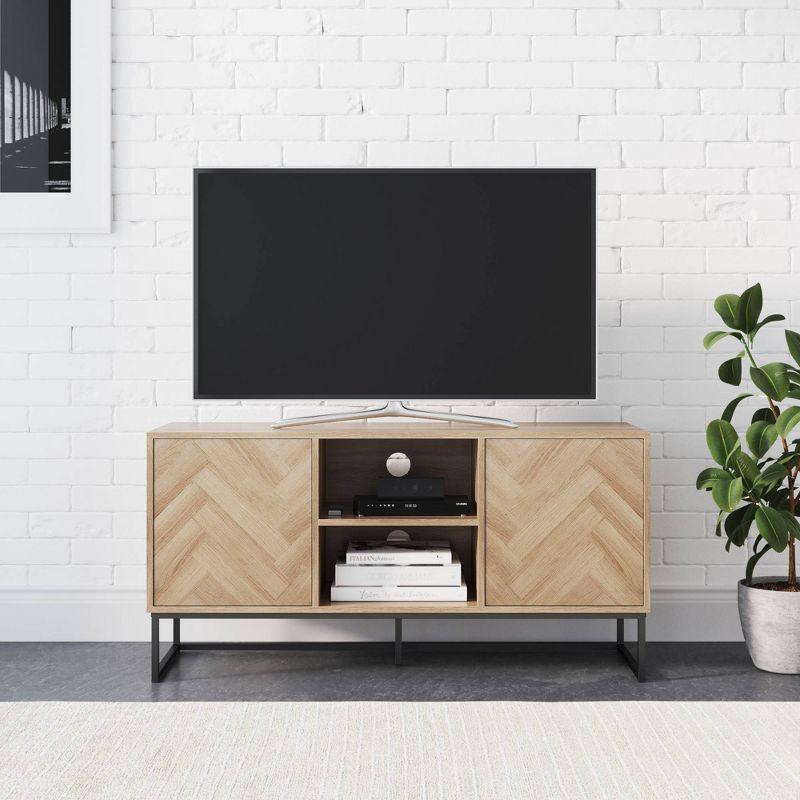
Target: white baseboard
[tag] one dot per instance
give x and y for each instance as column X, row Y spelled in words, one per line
column 678, row 615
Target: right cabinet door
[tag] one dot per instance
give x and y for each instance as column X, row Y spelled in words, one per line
column 565, row 522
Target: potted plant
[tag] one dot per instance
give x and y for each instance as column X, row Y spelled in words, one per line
column 758, row 490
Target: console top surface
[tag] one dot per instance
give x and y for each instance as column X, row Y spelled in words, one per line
column 408, row 430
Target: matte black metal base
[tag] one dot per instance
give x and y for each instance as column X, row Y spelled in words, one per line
column 159, row 665
column 637, row 662
column 398, row 642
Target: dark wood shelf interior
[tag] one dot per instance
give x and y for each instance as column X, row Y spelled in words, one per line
column 350, row 467
column 333, row 544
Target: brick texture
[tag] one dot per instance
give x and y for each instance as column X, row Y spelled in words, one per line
column 691, row 112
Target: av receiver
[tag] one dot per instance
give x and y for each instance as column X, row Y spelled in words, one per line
column 453, row 505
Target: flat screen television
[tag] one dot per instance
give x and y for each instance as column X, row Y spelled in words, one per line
column 394, row 283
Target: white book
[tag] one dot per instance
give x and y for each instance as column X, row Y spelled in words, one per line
column 398, row 574
column 402, row 553
column 398, row 594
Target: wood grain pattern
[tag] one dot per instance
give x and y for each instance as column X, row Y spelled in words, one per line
column 150, row 448
column 232, row 522
column 480, row 505
column 412, row 430
column 565, row 522
column 231, row 590
column 315, row 532
column 408, row 609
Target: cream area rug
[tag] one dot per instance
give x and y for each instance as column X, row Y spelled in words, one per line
column 371, row 751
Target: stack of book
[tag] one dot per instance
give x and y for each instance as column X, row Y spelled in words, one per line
column 403, row 571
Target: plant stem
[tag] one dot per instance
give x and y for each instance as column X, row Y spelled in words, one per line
column 749, row 353
column 792, row 499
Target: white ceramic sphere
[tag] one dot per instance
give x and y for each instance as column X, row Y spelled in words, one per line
column 398, row 464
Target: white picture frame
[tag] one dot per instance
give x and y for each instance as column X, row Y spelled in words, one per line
column 86, row 208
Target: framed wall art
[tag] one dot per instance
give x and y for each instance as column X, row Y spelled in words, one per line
column 55, row 116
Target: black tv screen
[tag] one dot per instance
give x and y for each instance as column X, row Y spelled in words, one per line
column 395, row 283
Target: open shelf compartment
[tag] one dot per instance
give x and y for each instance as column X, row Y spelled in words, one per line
column 350, row 467
column 333, row 541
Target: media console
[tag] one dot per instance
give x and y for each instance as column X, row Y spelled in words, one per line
column 237, row 525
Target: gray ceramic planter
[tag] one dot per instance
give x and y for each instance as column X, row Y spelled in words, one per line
column 771, row 626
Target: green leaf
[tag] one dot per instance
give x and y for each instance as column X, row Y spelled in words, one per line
column 773, row 527
column 737, row 524
column 752, row 561
column 787, row 420
column 727, row 414
column 728, row 493
column 772, row 476
column 746, row 467
column 764, row 415
column 793, row 526
column 778, row 498
column 767, row 320
column 710, row 339
column 793, row 341
column 708, row 477
column 727, row 305
column 722, row 440
column 791, row 370
column 749, row 309
column 772, row 380
column 794, row 394
column 760, row 437
column 731, row 371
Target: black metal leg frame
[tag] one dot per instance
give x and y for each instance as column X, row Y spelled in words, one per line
column 637, row 662
column 160, row 664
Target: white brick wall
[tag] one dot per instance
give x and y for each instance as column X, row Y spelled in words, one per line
column 691, row 114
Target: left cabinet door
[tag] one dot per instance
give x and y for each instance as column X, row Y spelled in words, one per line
column 231, row 522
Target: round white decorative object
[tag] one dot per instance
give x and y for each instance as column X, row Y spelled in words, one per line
column 398, row 464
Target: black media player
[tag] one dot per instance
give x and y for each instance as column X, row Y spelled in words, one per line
column 452, row 505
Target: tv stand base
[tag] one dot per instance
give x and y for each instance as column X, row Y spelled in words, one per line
column 160, row 664
column 395, row 408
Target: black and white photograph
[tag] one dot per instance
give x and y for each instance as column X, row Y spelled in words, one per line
column 35, row 65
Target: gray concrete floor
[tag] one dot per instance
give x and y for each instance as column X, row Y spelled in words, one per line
column 546, row 672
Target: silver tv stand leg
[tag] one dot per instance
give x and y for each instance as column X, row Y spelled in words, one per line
column 396, row 408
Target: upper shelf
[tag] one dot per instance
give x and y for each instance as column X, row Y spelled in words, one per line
column 374, row 522
column 409, row 430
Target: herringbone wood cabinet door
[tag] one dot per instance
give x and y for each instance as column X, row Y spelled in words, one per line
column 565, row 522
column 232, row 522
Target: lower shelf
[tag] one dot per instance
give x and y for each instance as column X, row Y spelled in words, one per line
column 333, row 541
column 397, row 608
